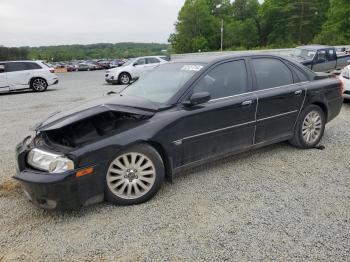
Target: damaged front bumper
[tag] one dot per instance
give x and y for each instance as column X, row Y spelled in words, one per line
column 58, row 191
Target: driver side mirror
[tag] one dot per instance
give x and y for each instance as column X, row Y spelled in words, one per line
column 2, row 69
column 135, row 64
column 197, row 99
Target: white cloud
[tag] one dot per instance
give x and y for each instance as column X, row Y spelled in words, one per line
column 44, row 22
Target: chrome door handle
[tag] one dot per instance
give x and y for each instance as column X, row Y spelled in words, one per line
column 298, row 92
column 247, row 103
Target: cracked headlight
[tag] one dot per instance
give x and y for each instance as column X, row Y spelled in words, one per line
column 49, row 162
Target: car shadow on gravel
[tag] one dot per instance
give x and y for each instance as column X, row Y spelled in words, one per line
column 235, row 158
column 26, row 91
column 166, row 191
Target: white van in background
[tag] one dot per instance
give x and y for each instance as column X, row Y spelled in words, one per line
column 16, row 75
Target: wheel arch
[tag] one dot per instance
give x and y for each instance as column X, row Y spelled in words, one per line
column 165, row 157
column 323, row 106
column 125, row 72
column 36, row 77
column 163, row 154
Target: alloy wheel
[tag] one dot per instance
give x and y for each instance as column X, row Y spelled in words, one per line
column 39, row 84
column 131, row 175
column 312, row 127
column 125, row 79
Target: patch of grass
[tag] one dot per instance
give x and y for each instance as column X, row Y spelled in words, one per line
column 9, row 187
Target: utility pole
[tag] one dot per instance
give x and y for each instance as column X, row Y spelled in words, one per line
column 222, row 32
column 218, row 7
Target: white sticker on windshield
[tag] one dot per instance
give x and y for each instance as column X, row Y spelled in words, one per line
column 191, row 67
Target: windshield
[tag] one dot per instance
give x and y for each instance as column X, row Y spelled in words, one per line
column 304, row 53
column 161, row 83
column 129, row 62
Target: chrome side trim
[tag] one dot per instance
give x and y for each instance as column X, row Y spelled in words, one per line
column 213, row 131
column 274, row 116
column 257, row 91
column 256, row 115
column 179, row 141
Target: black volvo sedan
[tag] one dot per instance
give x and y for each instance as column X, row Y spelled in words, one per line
column 123, row 146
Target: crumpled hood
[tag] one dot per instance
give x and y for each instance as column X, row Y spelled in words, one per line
column 119, row 103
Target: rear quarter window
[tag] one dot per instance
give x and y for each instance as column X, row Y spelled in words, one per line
column 32, row 66
column 301, row 77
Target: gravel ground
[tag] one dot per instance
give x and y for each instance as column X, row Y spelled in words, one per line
column 276, row 203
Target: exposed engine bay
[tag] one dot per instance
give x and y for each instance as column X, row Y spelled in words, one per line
column 93, row 128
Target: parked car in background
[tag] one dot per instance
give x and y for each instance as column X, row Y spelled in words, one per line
column 116, row 63
column 16, row 75
column 91, row 66
column 320, row 58
column 104, row 63
column 132, row 69
column 345, row 78
column 179, row 115
column 71, row 67
column 83, row 67
column 98, row 66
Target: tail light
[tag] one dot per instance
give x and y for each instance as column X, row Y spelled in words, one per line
column 52, row 70
column 341, row 85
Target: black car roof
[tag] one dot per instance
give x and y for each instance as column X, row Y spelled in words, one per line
column 212, row 58
column 314, row 47
column 209, row 59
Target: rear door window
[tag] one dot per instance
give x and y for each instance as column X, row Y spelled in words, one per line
column 331, row 54
column 321, row 56
column 271, row 72
column 227, row 79
column 2, row 68
column 152, row 60
column 15, row 66
column 141, row 61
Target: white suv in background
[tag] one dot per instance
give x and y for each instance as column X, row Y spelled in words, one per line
column 16, row 75
column 132, row 69
column 345, row 78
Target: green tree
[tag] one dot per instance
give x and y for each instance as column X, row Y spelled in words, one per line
column 247, row 11
column 196, row 28
column 336, row 30
column 290, row 22
column 13, row 53
column 303, row 22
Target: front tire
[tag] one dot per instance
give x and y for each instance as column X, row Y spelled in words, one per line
column 309, row 128
column 124, row 79
column 38, row 85
column 134, row 176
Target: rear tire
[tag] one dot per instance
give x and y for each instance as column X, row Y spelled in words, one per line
column 124, row 79
column 38, row 84
column 134, row 176
column 309, row 128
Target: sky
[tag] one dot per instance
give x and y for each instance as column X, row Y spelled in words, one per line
column 55, row 22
